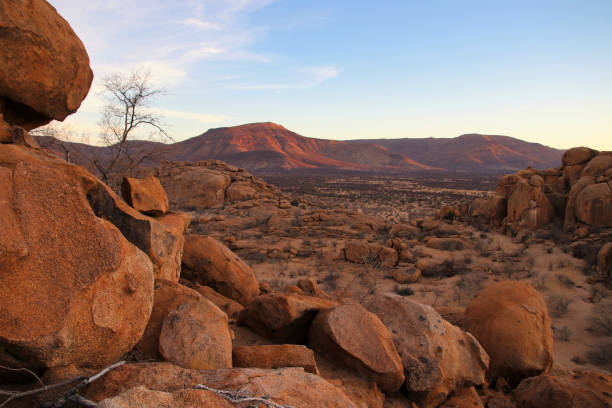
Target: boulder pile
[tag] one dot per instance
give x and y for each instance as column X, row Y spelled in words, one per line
column 577, row 193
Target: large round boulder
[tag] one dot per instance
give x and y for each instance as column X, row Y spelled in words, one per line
column 510, row 320
column 594, row 205
column 73, row 291
column 196, row 335
column 437, row 357
column 44, row 65
column 356, row 338
column 577, row 155
column 211, row 263
column 583, row 389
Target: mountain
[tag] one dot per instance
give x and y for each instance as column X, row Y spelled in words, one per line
column 268, row 147
column 474, row 152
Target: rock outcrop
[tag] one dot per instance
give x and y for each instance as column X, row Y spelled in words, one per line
column 143, row 397
column 356, row 338
column 169, row 296
column 510, row 320
column 275, row 356
column 583, row 389
column 196, row 335
column 161, row 238
column 145, row 195
column 437, row 357
column 580, row 191
column 283, row 317
column 288, row 386
column 44, row 65
column 211, row 263
column 210, row 184
column 73, row 290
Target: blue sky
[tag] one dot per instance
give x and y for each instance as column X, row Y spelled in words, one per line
column 537, row 70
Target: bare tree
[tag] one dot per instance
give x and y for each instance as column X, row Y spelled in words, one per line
column 127, row 111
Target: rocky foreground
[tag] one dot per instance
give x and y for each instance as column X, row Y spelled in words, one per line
column 243, row 296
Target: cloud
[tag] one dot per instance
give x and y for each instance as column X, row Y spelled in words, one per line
column 307, row 77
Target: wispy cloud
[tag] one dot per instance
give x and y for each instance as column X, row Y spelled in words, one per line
column 307, row 77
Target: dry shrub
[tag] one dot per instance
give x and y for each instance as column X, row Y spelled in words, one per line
column 562, row 333
column 601, row 319
column 601, row 355
column 558, row 305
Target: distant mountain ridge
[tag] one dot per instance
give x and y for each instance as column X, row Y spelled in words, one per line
column 269, row 147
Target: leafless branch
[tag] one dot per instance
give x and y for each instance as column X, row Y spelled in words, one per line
column 237, row 399
column 70, row 395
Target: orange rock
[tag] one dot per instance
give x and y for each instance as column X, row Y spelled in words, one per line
column 283, row 317
column 597, row 166
column 510, row 320
column 73, row 290
column 498, row 210
column 604, row 260
column 275, row 356
column 310, row 287
column 570, row 209
column 240, row 191
column 194, row 186
column 464, row 398
column 21, row 137
column 168, row 297
column 584, row 389
column 356, row 338
column 211, row 263
column 448, row 212
column 438, row 358
column 577, row 155
column 357, row 251
column 196, row 335
column 288, row 386
column 365, row 394
column 594, row 205
column 160, row 238
column 143, row 397
column 528, row 207
column 145, row 195
column 403, row 276
column 45, row 67
column 387, row 257
column 229, row 306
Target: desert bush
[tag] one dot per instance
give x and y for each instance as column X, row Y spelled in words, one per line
column 558, row 305
column 601, row 319
column 468, row 286
column 562, row 333
column 403, row 290
column 601, row 355
column 565, row 281
column 598, row 293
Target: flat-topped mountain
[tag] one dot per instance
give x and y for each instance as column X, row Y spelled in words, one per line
column 268, row 147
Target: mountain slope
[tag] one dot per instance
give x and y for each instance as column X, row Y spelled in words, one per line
column 268, row 147
column 474, row 152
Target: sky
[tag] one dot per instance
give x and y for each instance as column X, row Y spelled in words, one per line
column 539, row 70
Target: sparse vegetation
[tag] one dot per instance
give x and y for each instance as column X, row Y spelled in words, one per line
column 403, row 290
column 558, row 306
column 601, row 319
